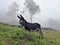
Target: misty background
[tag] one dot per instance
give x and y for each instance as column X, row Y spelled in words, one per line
column 49, row 15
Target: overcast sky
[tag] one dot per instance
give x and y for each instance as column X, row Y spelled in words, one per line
column 49, row 9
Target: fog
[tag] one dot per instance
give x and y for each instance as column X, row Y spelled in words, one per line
column 49, row 15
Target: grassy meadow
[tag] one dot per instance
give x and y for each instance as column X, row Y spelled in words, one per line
column 12, row 35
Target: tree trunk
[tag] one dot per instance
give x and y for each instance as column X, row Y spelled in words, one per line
column 31, row 18
column 14, row 20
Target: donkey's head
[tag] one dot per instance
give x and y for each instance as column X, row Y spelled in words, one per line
column 21, row 20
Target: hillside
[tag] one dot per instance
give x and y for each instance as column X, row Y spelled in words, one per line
column 18, row 36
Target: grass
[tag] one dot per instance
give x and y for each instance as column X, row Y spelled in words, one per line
column 18, row 36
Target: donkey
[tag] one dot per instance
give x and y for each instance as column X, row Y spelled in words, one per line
column 30, row 27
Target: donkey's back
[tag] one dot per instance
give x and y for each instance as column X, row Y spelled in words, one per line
column 33, row 26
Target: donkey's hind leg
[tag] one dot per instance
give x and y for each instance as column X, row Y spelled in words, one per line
column 40, row 34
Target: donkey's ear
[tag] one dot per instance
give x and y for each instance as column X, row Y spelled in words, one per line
column 21, row 16
column 18, row 16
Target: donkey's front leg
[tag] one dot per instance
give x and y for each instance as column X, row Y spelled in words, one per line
column 29, row 35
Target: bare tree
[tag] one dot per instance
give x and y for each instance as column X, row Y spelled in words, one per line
column 32, row 7
column 12, row 12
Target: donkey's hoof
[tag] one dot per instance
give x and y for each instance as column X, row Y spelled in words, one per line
column 40, row 37
column 29, row 38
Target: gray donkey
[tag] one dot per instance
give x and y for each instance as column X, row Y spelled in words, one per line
column 30, row 27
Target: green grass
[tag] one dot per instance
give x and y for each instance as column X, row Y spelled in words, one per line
column 1, row 43
column 18, row 36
